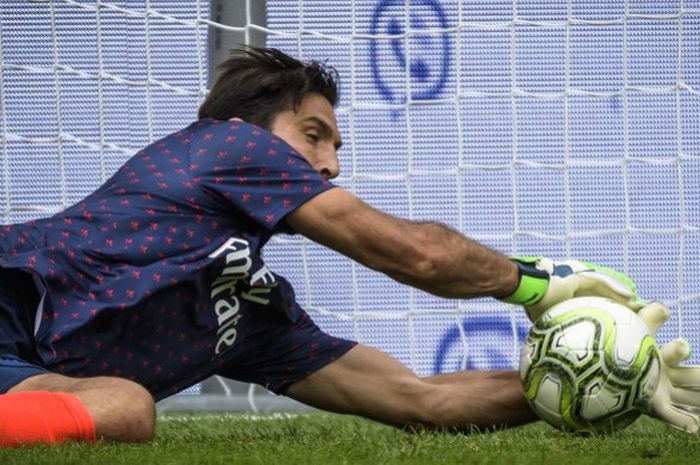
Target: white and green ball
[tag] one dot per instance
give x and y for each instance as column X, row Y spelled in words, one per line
column 589, row 365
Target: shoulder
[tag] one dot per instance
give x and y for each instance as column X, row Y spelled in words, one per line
column 211, row 130
column 223, row 139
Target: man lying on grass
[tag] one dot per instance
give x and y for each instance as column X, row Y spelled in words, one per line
column 155, row 281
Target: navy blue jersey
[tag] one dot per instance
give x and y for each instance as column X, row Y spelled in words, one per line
column 151, row 277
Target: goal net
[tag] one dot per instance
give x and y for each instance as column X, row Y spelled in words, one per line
column 566, row 129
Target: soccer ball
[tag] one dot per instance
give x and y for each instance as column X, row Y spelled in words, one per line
column 589, row 365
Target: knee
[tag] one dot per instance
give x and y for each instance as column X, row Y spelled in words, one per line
column 137, row 414
column 122, row 410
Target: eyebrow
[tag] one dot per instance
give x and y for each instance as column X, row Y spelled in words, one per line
column 325, row 128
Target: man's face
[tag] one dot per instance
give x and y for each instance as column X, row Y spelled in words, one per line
column 313, row 132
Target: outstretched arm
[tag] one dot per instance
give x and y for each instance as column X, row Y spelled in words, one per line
column 429, row 256
column 374, row 385
column 432, row 257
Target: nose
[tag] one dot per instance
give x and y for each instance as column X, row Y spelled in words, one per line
column 329, row 167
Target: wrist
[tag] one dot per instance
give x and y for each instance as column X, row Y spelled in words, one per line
column 532, row 283
column 509, row 280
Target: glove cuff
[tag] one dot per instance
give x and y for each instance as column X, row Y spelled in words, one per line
column 532, row 283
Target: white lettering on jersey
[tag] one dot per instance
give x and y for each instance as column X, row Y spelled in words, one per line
column 226, row 307
column 263, row 277
column 238, row 264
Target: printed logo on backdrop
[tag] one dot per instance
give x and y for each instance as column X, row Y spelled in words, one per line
column 489, row 345
column 428, row 61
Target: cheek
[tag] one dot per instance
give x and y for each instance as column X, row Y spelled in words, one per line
column 313, row 160
column 298, row 143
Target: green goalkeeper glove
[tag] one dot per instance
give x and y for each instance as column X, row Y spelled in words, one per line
column 678, row 394
column 544, row 283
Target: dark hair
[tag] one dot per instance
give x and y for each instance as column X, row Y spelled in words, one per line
column 256, row 84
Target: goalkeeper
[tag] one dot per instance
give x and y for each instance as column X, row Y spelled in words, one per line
column 156, row 281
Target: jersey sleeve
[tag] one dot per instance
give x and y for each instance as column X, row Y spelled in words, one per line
column 250, row 170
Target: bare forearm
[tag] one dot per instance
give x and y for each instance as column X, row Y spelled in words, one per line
column 482, row 400
column 429, row 256
column 443, row 262
column 371, row 383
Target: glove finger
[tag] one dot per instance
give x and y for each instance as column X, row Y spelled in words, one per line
column 602, row 281
column 594, row 283
column 636, row 303
column 685, row 377
column 593, row 288
column 685, row 397
column 675, row 352
column 654, row 315
column 677, row 417
column 545, row 264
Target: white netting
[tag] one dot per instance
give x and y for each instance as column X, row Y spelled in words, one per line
column 85, row 84
column 568, row 128
column 561, row 128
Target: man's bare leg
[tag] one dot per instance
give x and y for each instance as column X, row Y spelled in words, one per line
column 122, row 410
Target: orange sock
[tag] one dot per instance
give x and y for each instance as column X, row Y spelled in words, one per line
column 40, row 417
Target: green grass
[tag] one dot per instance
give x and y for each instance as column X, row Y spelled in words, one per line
column 321, row 439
